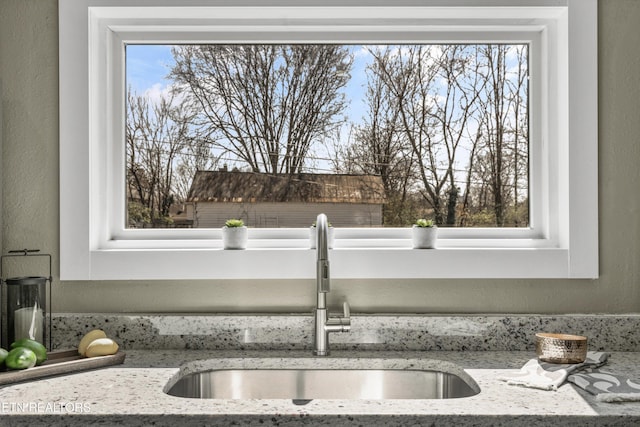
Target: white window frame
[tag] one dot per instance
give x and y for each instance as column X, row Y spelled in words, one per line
column 562, row 241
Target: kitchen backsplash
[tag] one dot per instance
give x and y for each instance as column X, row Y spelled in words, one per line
column 368, row 332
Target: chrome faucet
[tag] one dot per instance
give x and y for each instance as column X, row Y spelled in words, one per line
column 323, row 323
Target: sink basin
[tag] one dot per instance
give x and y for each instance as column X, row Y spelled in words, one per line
column 307, row 384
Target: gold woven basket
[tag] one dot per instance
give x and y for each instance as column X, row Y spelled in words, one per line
column 561, row 348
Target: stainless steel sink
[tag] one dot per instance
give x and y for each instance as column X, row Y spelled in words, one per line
column 308, row 384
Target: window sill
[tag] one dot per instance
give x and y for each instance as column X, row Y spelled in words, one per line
column 346, row 263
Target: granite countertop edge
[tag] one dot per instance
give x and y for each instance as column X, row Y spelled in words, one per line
column 133, row 393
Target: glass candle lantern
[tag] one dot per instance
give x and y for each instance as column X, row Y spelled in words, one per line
column 26, row 309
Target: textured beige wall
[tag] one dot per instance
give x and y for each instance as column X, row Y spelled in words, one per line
column 29, row 71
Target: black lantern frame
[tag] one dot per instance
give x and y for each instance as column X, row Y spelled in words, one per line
column 4, row 322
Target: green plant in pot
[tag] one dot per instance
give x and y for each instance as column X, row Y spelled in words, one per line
column 234, row 234
column 424, row 234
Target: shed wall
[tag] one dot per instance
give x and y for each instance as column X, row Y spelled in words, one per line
column 290, row 215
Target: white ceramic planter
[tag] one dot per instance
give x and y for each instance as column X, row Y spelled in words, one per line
column 234, row 237
column 313, row 235
column 424, row 237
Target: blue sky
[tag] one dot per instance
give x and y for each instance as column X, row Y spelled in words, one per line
column 148, row 65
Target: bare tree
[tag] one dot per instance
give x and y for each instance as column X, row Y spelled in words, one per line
column 407, row 76
column 267, row 103
column 505, row 126
column 467, row 201
column 438, row 107
column 196, row 156
column 435, row 88
column 379, row 147
column 455, row 105
column 156, row 135
column 519, row 89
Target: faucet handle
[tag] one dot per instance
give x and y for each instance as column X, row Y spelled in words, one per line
column 345, row 320
column 339, row 324
column 346, row 310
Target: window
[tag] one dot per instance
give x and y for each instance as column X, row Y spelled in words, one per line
column 560, row 239
column 403, row 131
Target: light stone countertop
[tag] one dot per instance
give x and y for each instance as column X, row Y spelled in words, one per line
column 132, row 394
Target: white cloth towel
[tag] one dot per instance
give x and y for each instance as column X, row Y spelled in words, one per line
column 605, row 386
column 550, row 376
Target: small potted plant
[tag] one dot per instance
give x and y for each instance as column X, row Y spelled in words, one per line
column 425, row 234
column 234, row 234
column 313, row 232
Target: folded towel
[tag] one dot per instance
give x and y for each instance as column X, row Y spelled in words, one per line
column 550, row 376
column 606, row 386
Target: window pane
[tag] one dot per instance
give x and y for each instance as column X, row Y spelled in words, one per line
column 371, row 135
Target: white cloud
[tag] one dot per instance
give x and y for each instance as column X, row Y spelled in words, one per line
column 157, row 92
